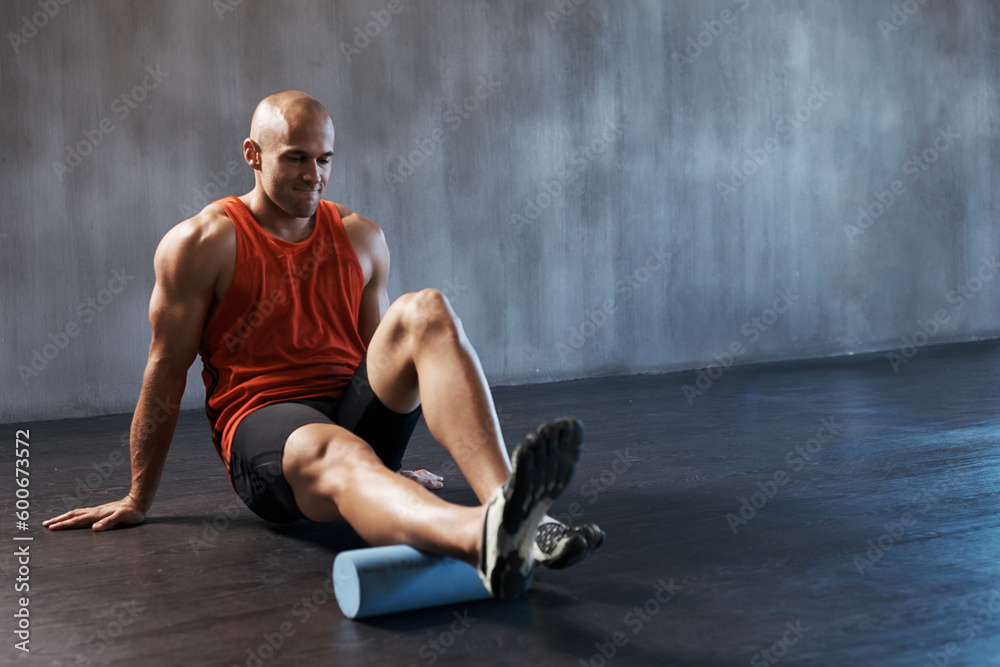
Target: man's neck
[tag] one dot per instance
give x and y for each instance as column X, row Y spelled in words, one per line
column 275, row 221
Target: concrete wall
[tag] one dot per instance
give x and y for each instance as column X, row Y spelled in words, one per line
column 593, row 212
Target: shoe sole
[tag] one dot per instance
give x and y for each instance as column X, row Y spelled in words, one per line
column 542, row 466
column 572, row 556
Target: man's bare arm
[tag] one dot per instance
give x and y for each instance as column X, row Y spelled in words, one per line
column 187, row 271
column 369, row 245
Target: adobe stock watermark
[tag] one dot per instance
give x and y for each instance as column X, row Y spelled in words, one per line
column 223, row 7
column 635, row 620
column 896, row 530
column 303, row 610
column 364, row 34
column 914, row 168
column 785, row 128
column 704, row 39
column 161, row 411
column 453, row 290
column 432, row 650
column 929, row 328
column 752, row 329
column 967, row 629
column 597, row 485
column 86, row 486
column 29, row 26
column 796, row 459
column 578, row 162
column 125, row 614
column 625, row 287
column 778, row 649
column 231, row 509
column 901, row 13
column 122, row 107
column 88, row 310
column 210, row 190
column 563, row 10
column 454, row 116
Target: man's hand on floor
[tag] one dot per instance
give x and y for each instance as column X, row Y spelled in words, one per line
column 102, row 517
column 424, row 478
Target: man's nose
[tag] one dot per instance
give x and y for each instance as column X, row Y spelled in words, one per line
column 313, row 172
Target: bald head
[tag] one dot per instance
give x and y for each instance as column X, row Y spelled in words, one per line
column 290, row 149
column 278, row 115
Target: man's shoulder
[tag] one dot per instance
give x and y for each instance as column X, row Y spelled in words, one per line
column 358, row 226
column 211, row 222
column 209, row 233
column 368, row 242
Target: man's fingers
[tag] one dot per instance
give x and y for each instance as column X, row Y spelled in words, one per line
column 96, row 517
column 423, row 474
column 109, row 521
column 66, row 520
column 101, row 523
column 424, row 478
column 59, row 519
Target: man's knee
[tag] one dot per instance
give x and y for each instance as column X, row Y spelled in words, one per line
column 428, row 311
column 327, row 457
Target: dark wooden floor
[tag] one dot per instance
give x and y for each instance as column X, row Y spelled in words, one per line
column 875, row 541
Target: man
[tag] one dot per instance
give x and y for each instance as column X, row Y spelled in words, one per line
column 314, row 382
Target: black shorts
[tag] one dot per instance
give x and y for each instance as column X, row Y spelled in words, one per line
column 259, row 442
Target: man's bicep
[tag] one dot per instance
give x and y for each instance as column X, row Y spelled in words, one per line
column 181, row 298
column 375, row 297
column 176, row 324
column 374, row 303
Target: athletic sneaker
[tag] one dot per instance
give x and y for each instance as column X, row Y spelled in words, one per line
column 542, row 465
column 558, row 545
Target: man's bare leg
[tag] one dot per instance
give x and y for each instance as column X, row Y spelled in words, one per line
column 336, row 475
column 419, row 355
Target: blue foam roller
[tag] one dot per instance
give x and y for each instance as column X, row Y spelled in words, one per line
column 386, row 580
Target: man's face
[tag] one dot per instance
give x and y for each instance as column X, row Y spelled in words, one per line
column 295, row 164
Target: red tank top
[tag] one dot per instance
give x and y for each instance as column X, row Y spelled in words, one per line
column 287, row 327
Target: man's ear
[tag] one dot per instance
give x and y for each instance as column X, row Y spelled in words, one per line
column 252, row 153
